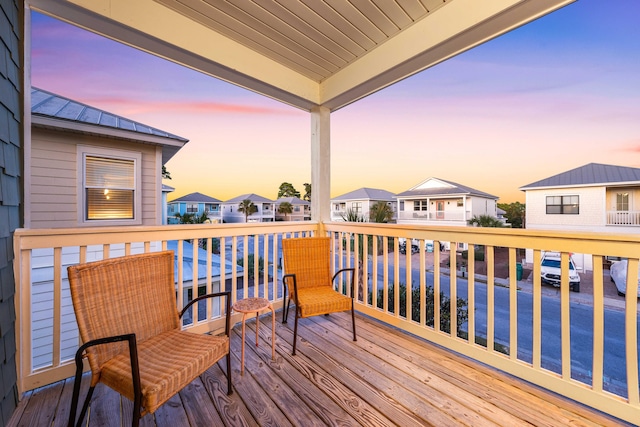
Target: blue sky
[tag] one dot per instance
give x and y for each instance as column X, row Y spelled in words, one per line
column 553, row 95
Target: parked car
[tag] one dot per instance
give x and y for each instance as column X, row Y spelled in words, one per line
column 618, row 272
column 550, row 271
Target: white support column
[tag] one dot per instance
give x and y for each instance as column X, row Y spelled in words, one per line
column 320, row 164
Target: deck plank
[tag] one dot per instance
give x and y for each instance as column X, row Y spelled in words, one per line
column 521, row 399
column 326, row 378
column 385, row 378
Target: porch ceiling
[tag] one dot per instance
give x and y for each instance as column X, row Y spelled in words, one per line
column 305, row 53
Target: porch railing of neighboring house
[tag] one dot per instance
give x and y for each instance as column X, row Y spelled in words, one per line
column 434, row 215
column 484, row 322
column 623, row 217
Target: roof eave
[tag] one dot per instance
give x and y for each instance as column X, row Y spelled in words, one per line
column 170, row 146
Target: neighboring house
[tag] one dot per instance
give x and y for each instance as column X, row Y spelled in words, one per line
column 197, row 204
column 436, row 201
column 165, row 192
column 593, row 198
column 500, row 214
column 360, row 201
column 301, row 209
column 92, row 168
column 265, row 209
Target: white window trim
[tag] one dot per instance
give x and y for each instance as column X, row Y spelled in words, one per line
column 88, row 150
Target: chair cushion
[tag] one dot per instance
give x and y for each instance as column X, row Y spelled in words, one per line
column 321, row 300
column 168, row 362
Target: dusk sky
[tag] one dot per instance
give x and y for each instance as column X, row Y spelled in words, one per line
column 551, row 96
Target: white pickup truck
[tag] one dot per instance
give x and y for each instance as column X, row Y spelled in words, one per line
column 550, row 271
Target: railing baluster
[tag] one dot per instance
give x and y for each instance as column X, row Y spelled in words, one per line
column 513, row 306
column 491, row 310
column 598, row 325
column 565, row 318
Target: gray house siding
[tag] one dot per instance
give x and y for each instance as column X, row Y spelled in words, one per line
column 11, row 216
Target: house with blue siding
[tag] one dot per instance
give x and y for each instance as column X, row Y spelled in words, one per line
column 195, row 204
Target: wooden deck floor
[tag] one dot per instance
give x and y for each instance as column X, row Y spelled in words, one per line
column 386, row 378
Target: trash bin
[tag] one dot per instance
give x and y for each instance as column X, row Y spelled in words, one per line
column 519, row 271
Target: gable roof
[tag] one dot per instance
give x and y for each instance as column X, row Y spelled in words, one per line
column 253, row 197
column 589, row 174
column 293, row 201
column 197, row 198
column 49, row 110
column 434, row 187
column 365, row 193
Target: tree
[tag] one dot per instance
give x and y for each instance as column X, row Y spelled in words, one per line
column 307, row 192
column 287, row 190
column 285, row 208
column 380, row 212
column 165, row 173
column 192, row 218
column 515, row 213
column 352, row 216
column 247, row 207
column 485, row 221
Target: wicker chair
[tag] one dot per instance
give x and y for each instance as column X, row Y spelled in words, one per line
column 129, row 323
column 307, row 267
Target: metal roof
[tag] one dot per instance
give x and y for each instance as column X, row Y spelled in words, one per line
column 253, row 197
column 293, row 201
column 196, row 198
column 367, row 194
column 304, row 53
column 49, row 110
column 587, row 175
column 49, row 104
column 450, row 189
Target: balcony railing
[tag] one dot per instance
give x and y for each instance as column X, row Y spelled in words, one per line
column 623, row 217
column 499, row 327
column 434, row 215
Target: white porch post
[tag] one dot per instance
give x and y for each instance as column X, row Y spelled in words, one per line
column 320, row 164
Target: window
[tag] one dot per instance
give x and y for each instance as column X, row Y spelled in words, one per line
column 567, row 205
column 357, row 207
column 108, row 190
column 460, row 203
column 622, row 201
column 192, row 208
column 420, row 205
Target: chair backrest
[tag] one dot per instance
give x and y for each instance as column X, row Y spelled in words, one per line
column 309, row 258
column 116, row 296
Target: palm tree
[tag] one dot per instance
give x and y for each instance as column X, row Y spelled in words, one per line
column 380, row 212
column 285, row 208
column 485, row 221
column 247, row 207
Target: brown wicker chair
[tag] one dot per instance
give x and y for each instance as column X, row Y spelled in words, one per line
column 307, row 267
column 129, row 323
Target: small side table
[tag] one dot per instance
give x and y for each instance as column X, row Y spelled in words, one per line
column 256, row 305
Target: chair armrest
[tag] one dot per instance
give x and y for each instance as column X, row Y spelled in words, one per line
column 227, row 294
column 353, row 274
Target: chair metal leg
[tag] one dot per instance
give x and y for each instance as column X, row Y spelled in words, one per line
column 285, row 311
column 353, row 320
column 74, row 404
column 229, row 390
column 295, row 333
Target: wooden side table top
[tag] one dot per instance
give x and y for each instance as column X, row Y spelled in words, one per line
column 248, row 305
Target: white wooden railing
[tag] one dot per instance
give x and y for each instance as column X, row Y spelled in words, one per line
column 623, row 217
column 479, row 337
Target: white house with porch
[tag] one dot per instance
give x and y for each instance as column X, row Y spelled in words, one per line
column 591, row 198
column 436, row 201
column 360, row 201
column 265, row 209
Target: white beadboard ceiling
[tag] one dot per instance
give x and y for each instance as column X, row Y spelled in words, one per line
column 306, row 53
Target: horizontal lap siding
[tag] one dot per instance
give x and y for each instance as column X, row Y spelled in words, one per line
column 54, row 185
